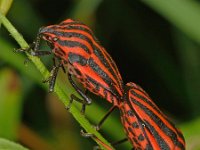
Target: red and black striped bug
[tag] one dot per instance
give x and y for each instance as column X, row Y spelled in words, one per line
column 146, row 127
column 75, row 46
column 144, row 123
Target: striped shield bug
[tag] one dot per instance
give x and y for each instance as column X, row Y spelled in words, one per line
column 75, row 46
column 144, row 123
column 146, row 127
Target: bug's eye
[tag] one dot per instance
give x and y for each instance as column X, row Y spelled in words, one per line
column 55, row 39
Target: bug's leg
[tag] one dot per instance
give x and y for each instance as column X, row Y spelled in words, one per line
column 84, row 105
column 36, row 53
column 52, row 78
column 88, row 100
column 53, row 75
column 33, row 49
column 40, row 53
column 62, row 62
column 85, row 101
column 119, row 142
column 90, row 135
column 98, row 126
column 74, row 97
column 22, row 50
column 63, row 68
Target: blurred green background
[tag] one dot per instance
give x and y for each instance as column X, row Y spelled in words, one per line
column 155, row 44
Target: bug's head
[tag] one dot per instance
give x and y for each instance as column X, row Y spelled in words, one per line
column 47, row 34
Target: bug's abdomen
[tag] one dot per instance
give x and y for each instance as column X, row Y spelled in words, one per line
column 158, row 132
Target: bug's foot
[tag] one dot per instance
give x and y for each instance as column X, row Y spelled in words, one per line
column 22, row 50
column 97, row 127
column 69, row 105
column 48, row 80
column 86, row 135
column 83, row 109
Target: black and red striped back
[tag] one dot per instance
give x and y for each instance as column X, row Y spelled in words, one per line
column 144, row 123
column 85, row 58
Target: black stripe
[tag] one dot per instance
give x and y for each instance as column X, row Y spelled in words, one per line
column 59, row 52
column 67, row 43
column 102, row 74
column 76, row 26
column 101, row 57
column 179, row 144
column 120, row 82
column 157, row 121
column 149, row 102
column 161, row 142
column 73, row 34
column 75, row 58
column 94, row 82
column 98, row 85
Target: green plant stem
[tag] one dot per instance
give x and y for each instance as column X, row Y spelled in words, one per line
column 64, row 96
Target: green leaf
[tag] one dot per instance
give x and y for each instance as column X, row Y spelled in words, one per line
column 10, row 104
column 184, row 14
column 192, row 134
column 5, row 6
column 9, row 145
